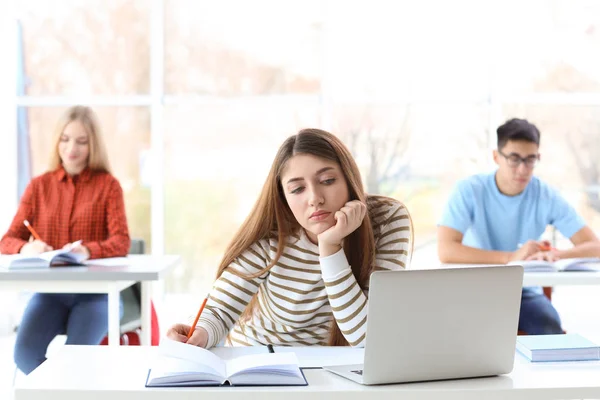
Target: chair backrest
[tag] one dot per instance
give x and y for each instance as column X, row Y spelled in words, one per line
column 131, row 296
column 138, row 246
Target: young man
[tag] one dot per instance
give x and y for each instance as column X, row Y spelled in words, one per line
column 499, row 217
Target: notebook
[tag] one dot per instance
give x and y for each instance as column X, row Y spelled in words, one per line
column 43, row 260
column 566, row 347
column 567, row 264
column 180, row 364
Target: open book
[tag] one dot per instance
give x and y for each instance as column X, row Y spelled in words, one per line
column 180, row 364
column 43, row 260
column 566, row 264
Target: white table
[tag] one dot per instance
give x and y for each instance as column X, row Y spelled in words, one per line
column 544, row 278
column 119, row 373
column 561, row 278
column 97, row 279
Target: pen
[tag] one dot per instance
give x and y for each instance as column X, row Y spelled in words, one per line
column 546, row 246
column 33, row 232
column 193, row 328
column 270, row 347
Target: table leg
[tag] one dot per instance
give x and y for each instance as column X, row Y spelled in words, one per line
column 146, row 320
column 113, row 317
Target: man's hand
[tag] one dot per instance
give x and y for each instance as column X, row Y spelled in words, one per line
column 550, row 256
column 527, row 250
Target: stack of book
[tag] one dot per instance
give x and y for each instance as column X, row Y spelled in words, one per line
column 567, row 347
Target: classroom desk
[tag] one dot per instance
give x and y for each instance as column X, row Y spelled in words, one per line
column 119, row 373
column 561, row 278
column 97, row 279
column 543, row 278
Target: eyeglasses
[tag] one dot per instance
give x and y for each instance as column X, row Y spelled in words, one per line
column 514, row 160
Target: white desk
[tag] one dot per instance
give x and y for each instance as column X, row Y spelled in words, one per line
column 561, row 278
column 544, row 278
column 119, row 373
column 97, row 279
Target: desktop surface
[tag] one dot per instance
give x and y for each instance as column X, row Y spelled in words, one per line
column 119, row 373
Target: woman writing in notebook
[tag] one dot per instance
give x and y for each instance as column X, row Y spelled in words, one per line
column 76, row 201
column 297, row 271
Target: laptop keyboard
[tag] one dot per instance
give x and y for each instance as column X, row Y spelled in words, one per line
column 357, row 371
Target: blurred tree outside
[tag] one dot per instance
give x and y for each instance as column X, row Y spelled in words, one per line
column 237, row 86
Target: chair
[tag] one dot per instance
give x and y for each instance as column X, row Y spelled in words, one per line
column 131, row 323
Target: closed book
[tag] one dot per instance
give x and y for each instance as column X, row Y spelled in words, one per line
column 564, row 347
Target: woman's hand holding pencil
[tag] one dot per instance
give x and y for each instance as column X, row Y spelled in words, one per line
column 193, row 335
column 37, row 246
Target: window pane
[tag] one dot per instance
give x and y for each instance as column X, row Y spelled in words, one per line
column 85, row 47
column 127, row 134
column 405, row 50
column 570, row 152
column 550, row 46
column 405, row 153
column 217, row 159
column 239, row 48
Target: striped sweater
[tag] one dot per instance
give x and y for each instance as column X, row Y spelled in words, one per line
column 299, row 298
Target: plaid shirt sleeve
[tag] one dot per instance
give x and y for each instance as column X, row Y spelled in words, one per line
column 17, row 234
column 118, row 241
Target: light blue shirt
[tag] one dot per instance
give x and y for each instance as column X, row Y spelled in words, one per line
column 490, row 220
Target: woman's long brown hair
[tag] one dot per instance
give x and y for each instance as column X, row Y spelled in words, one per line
column 271, row 214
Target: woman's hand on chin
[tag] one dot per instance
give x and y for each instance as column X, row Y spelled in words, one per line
column 347, row 220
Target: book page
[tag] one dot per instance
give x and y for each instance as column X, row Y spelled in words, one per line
column 167, row 370
column 19, row 261
column 205, row 360
column 535, row 265
column 66, row 256
column 578, row 264
column 49, row 255
column 283, row 363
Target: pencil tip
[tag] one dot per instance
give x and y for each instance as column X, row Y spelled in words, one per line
column 26, row 223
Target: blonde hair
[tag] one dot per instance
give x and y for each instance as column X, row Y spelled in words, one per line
column 271, row 215
column 98, row 158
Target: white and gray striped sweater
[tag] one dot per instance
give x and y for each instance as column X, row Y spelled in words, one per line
column 302, row 294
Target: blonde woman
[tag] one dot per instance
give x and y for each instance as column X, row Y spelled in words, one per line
column 77, row 199
column 297, row 271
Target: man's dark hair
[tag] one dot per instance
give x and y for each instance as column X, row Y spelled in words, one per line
column 517, row 129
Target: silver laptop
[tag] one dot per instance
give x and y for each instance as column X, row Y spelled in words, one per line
column 439, row 324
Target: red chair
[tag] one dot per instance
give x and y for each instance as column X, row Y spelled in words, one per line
column 131, row 323
column 131, row 330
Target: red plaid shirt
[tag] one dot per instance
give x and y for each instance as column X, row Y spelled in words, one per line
column 63, row 209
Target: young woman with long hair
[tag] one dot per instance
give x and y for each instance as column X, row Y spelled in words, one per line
column 297, row 271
